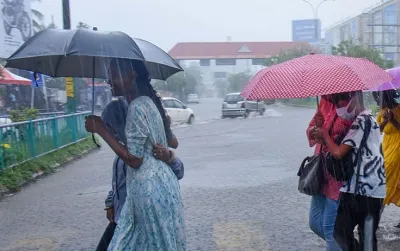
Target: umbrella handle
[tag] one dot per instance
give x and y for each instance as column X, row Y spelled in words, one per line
column 94, row 141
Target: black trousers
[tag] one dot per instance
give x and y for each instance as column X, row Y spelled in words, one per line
column 361, row 211
column 106, row 238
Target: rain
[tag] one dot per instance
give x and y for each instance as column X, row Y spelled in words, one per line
column 248, row 89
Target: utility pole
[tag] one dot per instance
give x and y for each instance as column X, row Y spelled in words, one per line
column 69, row 82
column 66, row 15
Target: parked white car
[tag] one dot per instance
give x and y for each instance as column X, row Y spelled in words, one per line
column 178, row 111
column 193, row 98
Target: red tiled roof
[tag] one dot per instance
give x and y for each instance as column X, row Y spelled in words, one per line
column 212, row 50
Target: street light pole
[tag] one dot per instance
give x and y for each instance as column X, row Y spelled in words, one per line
column 316, row 9
column 315, row 13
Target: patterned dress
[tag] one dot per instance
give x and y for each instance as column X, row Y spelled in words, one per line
column 152, row 216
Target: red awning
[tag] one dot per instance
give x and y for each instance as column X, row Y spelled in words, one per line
column 9, row 78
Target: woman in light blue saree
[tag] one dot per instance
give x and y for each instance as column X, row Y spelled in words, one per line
column 152, row 216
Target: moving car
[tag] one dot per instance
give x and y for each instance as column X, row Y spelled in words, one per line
column 193, row 98
column 178, row 111
column 235, row 105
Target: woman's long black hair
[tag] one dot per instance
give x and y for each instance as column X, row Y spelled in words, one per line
column 145, row 88
column 387, row 99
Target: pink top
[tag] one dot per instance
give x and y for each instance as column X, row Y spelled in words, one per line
column 341, row 126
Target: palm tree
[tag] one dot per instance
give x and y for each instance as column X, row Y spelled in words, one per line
column 37, row 20
column 83, row 25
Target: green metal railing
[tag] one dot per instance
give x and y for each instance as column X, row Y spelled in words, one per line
column 26, row 140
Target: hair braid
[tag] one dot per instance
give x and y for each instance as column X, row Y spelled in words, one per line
column 145, row 88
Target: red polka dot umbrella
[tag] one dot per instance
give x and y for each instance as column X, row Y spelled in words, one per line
column 315, row 75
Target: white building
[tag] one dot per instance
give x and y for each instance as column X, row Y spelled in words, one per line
column 220, row 59
column 377, row 26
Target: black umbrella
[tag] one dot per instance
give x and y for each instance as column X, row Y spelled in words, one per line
column 86, row 53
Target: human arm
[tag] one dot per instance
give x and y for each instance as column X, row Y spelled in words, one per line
column 171, row 138
column 170, row 159
column 337, row 151
column 110, row 206
column 95, row 124
column 316, row 122
column 173, row 142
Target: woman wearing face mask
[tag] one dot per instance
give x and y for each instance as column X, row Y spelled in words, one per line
column 389, row 122
column 361, row 196
column 323, row 207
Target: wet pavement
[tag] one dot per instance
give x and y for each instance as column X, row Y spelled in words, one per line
column 239, row 191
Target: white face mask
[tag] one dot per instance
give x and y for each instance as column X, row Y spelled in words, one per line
column 344, row 114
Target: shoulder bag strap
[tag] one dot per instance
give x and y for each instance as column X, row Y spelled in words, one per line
column 367, row 130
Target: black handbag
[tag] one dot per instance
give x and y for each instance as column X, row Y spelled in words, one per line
column 311, row 173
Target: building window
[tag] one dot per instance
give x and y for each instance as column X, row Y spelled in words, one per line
column 219, row 74
column 204, row 62
column 390, row 25
column 377, row 29
column 258, row 61
column 225, row 61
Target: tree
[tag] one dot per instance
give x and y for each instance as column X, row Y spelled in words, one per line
column 182, row 83
column 349, row 49
column 238, row 81
column 222, row 87
column 287, row 55
column 37, row 20
column 83, row 25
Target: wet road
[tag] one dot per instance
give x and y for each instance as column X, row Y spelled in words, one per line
column 239, row 191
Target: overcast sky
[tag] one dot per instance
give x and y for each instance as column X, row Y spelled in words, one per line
column 166, row 22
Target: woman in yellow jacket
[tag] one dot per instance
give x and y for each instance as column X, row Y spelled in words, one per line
column 389, row 122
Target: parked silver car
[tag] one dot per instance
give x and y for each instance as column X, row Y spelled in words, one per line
column 235, row 105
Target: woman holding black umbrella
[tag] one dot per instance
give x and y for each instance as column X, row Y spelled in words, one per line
column 152, row 216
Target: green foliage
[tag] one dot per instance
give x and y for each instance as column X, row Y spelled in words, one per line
column 238, row 81
column 222, row 87
column 183, row 83
column 13, row 178
column 23, row 115
column 349, row 49
column 287, row 55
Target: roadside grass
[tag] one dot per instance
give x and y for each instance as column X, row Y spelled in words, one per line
column 12, row 178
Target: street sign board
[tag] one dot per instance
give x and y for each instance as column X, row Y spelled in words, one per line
column 37, row 79
column 306, row 30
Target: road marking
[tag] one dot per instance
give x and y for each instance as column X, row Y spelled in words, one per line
column 240, row 236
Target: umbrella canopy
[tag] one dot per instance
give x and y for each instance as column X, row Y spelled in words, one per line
column 86, row 53
column 314, row 75
column 394, row 84
column 11, row 78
